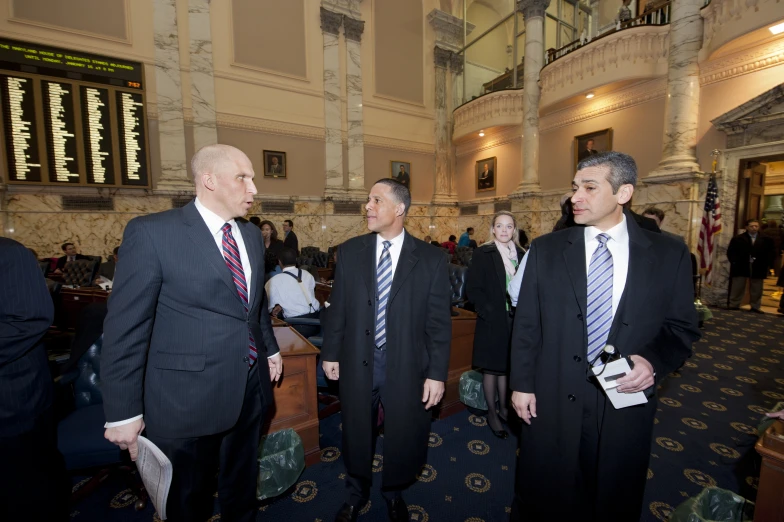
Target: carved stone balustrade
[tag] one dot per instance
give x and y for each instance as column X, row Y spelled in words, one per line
column 491, row 110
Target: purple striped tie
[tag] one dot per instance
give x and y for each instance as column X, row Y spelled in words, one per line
column 231, row 253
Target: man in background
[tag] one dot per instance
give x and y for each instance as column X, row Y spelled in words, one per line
column 657, row 215
column 33, row 482
column 751, row 256
column 289, row 237
column 587, row 151
column 275, row 169
column 465, row 237
column 403, row 178
column 70, row 255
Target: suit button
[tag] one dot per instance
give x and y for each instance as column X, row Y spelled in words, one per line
column 570, row 397
column 364, row 363
column 245, row 359
column 580, row 317
column 367, row 332
column 577, row 358
column 370, row 303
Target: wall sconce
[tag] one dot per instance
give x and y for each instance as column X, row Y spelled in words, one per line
column 589, row 95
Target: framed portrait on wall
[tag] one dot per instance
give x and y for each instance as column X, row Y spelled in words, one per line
column 400, row 171
column 592, row 143
column 274, row 164
column 485, row 174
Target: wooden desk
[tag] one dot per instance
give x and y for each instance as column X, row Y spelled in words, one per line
column 296, row 405
column 71, row 301
column 770, row 492
column 326, row 273
column 462, row 349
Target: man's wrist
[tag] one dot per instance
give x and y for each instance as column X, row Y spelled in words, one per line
column 122, row 422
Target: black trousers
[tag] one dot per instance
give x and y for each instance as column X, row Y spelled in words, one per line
column 196, row 460
column 359, row 487
column 33, row 483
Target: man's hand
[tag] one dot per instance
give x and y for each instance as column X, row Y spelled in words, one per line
column 432, row 393
column 276, row 310
column 776, row 415
column 331, row 370
column 525, row 405
column 126, row 436
column 275, row 367
column 639, row 379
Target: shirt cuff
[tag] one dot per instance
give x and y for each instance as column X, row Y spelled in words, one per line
column 273, row 355
column 122, row 422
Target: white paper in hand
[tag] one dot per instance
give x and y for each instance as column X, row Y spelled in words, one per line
column 155, row 469
column 609, row 382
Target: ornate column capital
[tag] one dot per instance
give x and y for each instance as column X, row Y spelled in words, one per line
column 441, row 56
column 456, row 63
column 353, row 28
column 532, row 8
column 448, row 29
column 331, row 21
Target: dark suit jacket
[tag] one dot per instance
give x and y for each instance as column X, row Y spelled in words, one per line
column 655, row 319
column 419, row 332
column 176, row 336
column 61, row 261
column 291, row 242
column 585, row 153
column 26, row 312
column 740, row 250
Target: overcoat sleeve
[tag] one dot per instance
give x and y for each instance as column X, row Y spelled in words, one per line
column 527, row 331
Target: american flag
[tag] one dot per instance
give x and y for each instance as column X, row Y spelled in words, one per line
column 711, row 226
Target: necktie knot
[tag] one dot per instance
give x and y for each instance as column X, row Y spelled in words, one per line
column 603, row 239
column 226, row 228
column 387, row 244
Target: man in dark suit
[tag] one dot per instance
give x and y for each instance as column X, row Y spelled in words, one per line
column 486, row 177
column 607, row 282
column 186, row 325
column 751, row 255
column 393, row 351
column 403, row 177
column 587, row 151
column 33, row 483
column 289, row 237
column 70, row 255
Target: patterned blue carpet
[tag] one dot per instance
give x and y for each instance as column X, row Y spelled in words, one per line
column 704, row 435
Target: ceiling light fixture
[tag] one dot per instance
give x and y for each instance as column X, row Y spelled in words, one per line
column 590, row 95
column 777, row 29
column 481, row 134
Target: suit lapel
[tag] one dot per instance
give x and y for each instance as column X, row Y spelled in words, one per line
column 404, row 265
column 200, row 235
column 498, row 263
column 574, row 257
column 367, row 258
column 255, row 259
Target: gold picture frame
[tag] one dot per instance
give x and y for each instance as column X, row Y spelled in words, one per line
column 602, row 142
column 486, row 172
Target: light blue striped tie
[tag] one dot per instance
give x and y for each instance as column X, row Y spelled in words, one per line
column 600, row 293
column 384, row 278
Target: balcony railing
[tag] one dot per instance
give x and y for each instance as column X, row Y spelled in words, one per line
column 658, row 14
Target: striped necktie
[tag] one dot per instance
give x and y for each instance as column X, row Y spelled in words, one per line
column 600, row 293
column 384, row 279
column 231, row 253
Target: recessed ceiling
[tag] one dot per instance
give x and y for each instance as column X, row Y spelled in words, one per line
column 754, row 38
column 580, row 98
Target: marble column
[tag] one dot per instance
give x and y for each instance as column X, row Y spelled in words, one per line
column 168, row 87
column 442, row 192
column 356, row 140
column 594, row 29
column 449, row 36
column 681, row 110
column 205, row 127
column 533, row 14
column 330, row 27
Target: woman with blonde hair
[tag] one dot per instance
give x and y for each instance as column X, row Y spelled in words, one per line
column 492, row 267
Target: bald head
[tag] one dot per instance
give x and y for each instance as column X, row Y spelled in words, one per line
column 213, row 159
column 223, row 176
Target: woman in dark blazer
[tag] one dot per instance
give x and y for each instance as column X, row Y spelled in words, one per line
column 492, row 267
column 272, row 246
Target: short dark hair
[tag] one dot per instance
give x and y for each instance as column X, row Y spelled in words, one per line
column 653, row 211
column 116, row 250
column 256, row 220
column 66, row 245
column 623, row 169
column 400, row 191
column 288, row 257
column 452, row 238
column 290, row 222
column 748, row 222
column 274, row 234
column 470, row 229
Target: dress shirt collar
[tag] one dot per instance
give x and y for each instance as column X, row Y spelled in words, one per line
column 619, row 233
column 214, row 221
column 396, row 241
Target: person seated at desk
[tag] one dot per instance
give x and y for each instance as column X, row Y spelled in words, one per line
column 70, row 255
column 292, row 293
column 106, row 270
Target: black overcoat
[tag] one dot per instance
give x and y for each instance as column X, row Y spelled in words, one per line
column 419, row 332
column 655, row 319
column 486, row 289
column 740, row 250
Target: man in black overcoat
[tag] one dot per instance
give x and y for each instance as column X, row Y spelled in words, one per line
column 388, row 334
column 751, row 256
column 580, row 458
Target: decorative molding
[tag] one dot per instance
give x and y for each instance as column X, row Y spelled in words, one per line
column 383, row 142
column 441, row 56
column 233, row 76
column 588, row 66
column 95, row 49
column 269, row 71
column 496, row 108
column 353, row 29
column 235, row 121
column 331, row 21
column 532, row 8
column 349, row 8
column 421, row 113
column 456, row 64
column 616, row 101
column 448, row 29
column 496, row 139
column 759, row 120
column 742, row 62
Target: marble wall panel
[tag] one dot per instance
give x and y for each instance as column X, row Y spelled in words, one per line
column 340, row 228
column 356, row 133
column 205, row 131
column 444, row 211
column 418, row 227
column 418, row 211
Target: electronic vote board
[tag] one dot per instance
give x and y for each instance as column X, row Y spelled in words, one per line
column 71, row 118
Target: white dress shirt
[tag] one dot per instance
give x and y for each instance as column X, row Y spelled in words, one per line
column 514, row 284
column 619, row 248
column 394, row 249
column 285, row 291
column 214, row 224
